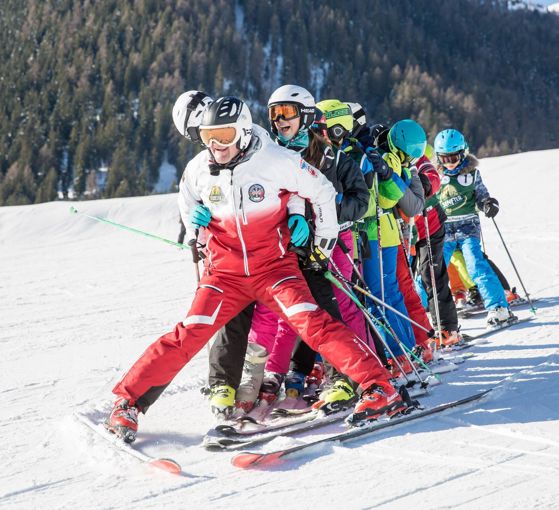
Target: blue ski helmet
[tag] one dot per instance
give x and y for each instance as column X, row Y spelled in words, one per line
column 408, row 136
column 450, row 141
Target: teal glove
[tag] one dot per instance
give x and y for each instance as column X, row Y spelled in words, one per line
column 200, row 216
column 299, row 229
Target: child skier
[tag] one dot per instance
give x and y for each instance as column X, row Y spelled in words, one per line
column 462, row 189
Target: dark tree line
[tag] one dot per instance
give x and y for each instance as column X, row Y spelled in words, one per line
column 86, row 84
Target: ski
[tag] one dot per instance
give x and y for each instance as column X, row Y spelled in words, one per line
column 247, row 460
column 471, row 340
column 165, row 464
column 474, row 312
column 223, row 439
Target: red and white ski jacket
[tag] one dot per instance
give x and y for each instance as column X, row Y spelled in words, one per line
column 248, row 232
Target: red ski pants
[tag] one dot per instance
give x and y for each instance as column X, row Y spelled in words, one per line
column 413, row 304
column 219, row 297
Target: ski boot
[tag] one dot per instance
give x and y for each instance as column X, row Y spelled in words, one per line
column 513, row 298
column 424, row 352
column 449, row 338
column 222, row 401
column 402, row 362
column 253, row 374
column 378, row 400
column 294, row 384
column 271, row 386
column 123, row 420
column 337, row 397
column 475, row 301
column 500, row 316
column 460, row 300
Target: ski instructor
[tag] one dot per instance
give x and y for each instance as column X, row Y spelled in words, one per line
column 238, row 189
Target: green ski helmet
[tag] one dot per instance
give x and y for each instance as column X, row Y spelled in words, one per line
column 409, row 137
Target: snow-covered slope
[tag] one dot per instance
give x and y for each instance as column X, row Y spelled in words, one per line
column 81, row 300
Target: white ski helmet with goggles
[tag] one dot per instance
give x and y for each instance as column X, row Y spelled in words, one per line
column 188, row 111
column 227, row 121
column 302, row 105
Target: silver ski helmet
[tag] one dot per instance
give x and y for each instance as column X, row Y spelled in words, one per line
column 187, row 113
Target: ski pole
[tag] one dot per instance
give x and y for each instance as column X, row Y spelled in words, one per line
column 387, row 326
column 405, row 247
column 130, row 229
column 373, row 321
column 432, row 274
column 197, row 257
column 482, row 239
column 367, row 292
column 379, row 239
column 532, row 308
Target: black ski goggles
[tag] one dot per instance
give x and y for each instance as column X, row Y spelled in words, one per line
column 337, row 132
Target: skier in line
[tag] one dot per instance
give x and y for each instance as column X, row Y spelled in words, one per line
column 248, row 261
column 462, row 189
column 384, row 239
column 436, row 217
column 226, row 369
column 290, row 125
column 292, row 120
column 411, row 204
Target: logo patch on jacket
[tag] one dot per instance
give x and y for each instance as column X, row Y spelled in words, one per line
column 215, row 194
column 465, row 179
column 256, row 193
column 309, row 168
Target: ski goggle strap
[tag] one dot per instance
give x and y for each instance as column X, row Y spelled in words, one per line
column 223, row 135
column 287, row 111
column 450, row 159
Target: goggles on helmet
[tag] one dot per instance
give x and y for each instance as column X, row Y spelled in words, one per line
column 286, row 111
column 450, row 159
column 225, row 135
column 337, row 132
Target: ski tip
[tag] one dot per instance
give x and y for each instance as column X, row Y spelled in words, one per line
column 247, row 460
column 168, row 465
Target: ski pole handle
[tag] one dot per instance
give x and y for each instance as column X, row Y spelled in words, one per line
column 342, row 246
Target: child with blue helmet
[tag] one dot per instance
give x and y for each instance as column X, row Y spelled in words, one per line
column 462, row 195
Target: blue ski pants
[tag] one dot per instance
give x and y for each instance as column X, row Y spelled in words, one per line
column 465, row 235
column 392, row 295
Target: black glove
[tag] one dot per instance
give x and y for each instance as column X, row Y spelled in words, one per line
column 490, row 207
column 380, row 166
column 426, row 183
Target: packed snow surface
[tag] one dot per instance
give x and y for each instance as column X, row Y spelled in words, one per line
column 81, row 300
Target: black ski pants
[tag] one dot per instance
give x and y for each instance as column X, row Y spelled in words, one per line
column 447, row 308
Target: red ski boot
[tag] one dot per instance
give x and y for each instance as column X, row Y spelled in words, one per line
column 380, row 399
column 123, row 420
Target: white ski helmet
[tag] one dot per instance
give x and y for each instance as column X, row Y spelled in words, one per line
column 359, row 116
column 188, row 111
column 300, row 97
column 227, row 112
